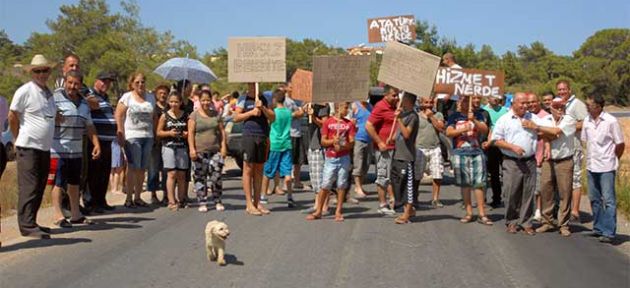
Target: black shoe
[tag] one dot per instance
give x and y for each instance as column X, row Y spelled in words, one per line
column 85, row 210
column 44, row 229
column 496, row 204
column 37, row 234
column 63, row 223
column 291, row 203
column 98, row 210
column 108, row 208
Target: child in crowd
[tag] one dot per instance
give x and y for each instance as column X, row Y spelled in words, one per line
column 338, row 140
column 119, row 166
column 173, row 131
column 280, row 157
column 207, row 144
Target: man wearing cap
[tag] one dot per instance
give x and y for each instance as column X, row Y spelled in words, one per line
column 516, row 133
column 604, row 147
column 576, row 109
column 105, row 124
column 495, row 158
column 32, row 120
column 557, row 170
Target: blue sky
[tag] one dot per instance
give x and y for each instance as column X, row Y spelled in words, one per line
column 561, row 25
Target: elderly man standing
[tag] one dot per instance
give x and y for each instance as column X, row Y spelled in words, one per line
column 105, row 124
column 576, row 109
column 557, row 171
column 32, row 121
column 516, row 136
column 604, row 146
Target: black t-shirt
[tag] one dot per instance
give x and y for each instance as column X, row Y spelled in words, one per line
column 447, row 108
column 314, row 131
column 254, row 126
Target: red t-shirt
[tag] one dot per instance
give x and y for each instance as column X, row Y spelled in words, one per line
column 382, row 118
column 329, row 130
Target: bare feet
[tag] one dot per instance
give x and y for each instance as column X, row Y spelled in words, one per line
column 339, row 218
column 263, row 210
column 253, row 211
column 313, row 217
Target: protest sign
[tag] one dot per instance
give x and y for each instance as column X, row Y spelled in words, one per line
column 394, row 28
column 408, row 69
column 302, row 85
column 340, row 78
column 469, row 82
column 256, row 59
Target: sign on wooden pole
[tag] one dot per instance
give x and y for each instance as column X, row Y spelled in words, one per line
column 256, row 59
column 340, row 78
column 408, row 69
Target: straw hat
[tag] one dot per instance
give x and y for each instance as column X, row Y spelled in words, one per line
column 39, row 61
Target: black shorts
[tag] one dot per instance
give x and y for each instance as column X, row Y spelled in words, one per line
column 298, row 150
column 254, row 149
column 68, row 172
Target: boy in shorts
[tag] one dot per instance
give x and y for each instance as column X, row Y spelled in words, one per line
column 338, row 140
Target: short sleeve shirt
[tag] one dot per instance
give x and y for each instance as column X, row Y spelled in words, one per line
column 254, row 126
column 344, row 128
column 382, row 118
column 601, row 137
column 563, row 146
column 103, row 117
column 467, row 143
column 296, row 125
column 68, row 137
column 315, row 131
column 37, row 110
column 510, row 129
column 405, row 148
column 139, row 117
column 576, row 109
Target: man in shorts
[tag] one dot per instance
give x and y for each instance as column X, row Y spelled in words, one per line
column 428, row 152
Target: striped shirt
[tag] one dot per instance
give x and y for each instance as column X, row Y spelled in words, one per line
column 68, row 137
column 103, row 117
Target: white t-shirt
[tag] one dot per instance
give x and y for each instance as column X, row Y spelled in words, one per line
column 139, row 117
column 37, row 110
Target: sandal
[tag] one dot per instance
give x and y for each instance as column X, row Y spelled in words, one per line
column 82, row 220
column 484, row 220
column 253, row 212
column 173, row 207
column 263, row 210
column 313, row 217
column 466, row 219
column 63, row 223
column 402, row 220
column 130, row 204
column 339, row 218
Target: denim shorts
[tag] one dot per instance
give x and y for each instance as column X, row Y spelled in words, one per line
column 337, row 171
column 278, row 162
column 118, row 159
column 138, row 152
column 68, row 172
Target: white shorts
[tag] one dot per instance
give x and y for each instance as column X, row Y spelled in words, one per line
column 432, row 157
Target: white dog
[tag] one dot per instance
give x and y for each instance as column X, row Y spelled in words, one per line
column 216, row 234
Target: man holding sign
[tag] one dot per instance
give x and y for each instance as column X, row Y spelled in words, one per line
column 379, row 127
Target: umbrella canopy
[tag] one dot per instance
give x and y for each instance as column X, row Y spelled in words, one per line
column 185, row 69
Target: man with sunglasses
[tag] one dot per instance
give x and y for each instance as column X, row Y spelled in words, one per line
column 32, row 120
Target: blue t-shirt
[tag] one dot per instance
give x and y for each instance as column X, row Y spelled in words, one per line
column 467, row 143
column 254, row 126
column 362, row 116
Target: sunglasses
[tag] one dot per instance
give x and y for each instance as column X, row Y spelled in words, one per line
column 41, row 71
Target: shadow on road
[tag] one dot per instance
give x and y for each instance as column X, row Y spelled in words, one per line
column 231, row 260
column 97, row 226
column 39, row 243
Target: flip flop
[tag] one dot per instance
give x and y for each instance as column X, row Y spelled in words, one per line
column 484, row 220
column 82, row 220
column 264, row 210
column 253, row 212
column 339, row 218
column 401, row 220
column 466, row 219
column 313, row 217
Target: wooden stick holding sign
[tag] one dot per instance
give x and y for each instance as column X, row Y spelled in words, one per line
column 391, row 133
column 256, row 92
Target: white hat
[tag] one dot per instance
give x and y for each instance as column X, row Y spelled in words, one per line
column 39, row 61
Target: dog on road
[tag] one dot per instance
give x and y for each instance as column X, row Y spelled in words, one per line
column 216, row 234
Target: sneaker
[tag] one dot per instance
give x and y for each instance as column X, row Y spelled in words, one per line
column 385, row 210
column 290, row 203
column 203, row 208
column 537, row 215
column 437, row 204
column 263, row 200
column 604, row 239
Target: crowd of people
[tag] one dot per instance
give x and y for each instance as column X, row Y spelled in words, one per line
column 528, row 152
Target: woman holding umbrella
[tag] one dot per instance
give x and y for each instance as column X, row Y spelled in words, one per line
column 136, row 120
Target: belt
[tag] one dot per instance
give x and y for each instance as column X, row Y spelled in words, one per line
column 562, row 159
column 518, row 159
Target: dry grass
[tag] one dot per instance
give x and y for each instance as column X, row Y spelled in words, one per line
column 9, row 191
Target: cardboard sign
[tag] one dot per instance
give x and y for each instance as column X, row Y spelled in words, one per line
column 408, row 69
column 302, row 85
column 257, row 59
column 469, row 82
column 341, row 78
column 394, row 28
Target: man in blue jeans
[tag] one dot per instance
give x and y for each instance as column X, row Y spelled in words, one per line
column 604, row 146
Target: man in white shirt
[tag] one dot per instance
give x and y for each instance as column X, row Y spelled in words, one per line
column 604, row 147
column 32, row 120
column 557, row 171
column 576, row 109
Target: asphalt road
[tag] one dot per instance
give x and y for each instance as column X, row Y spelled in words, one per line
column 159, row 248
